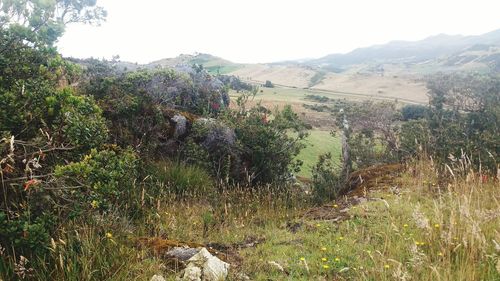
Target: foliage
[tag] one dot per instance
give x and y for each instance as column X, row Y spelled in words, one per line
column 27, row 234
column 43, row 22
column 268, row 150
column 414, row 138
column 464, row 118
column 318, row 98
column 235, row 83
column 371, row 131
column 268, row 84
column 104, row 178
column 413, row 112
column 326, row 181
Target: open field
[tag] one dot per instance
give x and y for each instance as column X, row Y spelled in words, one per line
column 352, row 84
column 377, row 87
column 289, row 75
column 318, row 143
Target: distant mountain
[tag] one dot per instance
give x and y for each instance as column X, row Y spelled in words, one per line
column 439, row 47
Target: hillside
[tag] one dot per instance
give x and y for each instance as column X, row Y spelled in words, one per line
column 212, row 64
column 389, row 71
column 429, row 50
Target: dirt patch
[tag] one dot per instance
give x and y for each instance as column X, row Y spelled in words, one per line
column 337, row 211
column 374, row 177
column 360, row 182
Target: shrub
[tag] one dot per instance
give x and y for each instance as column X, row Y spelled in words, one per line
column 268, row 149
column 413, row 112
column 104, row 178
column 414, row 137
column 326, row 180
column 268, row 84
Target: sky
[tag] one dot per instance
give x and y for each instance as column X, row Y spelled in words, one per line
column 259, row 31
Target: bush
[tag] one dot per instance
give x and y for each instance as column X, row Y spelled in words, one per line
column 326, row 180
column 268, row 150
column 104, row 178
column 413, row 112
column 268, row 84
column 414, row 137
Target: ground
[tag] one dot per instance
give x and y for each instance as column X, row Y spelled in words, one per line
column 407, row 228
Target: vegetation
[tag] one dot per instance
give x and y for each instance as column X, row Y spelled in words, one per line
column 99, row 165
column 268, row 84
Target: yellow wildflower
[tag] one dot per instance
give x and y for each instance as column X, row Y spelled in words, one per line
column 405, row 225
column 94, row 204
column 326, row 266
column 318, row 225
column 335, row 206
column 440, row 254
column 386, row 266
column 323, row 249
column 109, row 235
column 436, row 225
column 324, row 259
column 337, row 259
column 302, row 259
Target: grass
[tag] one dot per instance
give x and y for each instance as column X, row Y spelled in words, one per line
column 318, row 142
column 414, row 228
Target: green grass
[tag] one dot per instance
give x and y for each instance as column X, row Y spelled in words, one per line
column 318, row 142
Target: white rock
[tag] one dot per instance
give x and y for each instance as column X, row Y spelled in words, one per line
column 204, row 267
column 191, row 273
column 157, row 278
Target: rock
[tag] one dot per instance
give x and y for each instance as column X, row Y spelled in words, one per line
column 182, row 253
column 204, row 266
column 217, row 134
column 180, row 125
column 157, row 278
column 191, row 273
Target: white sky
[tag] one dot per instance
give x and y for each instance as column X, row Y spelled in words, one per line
column 269, row 30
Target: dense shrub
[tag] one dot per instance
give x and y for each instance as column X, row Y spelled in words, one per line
column 268, row 150
column 414, row 138
column 464, row 119
column 104, row 178
column 413, row 112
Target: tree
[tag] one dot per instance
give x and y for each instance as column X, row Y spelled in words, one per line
column 268, row 84
column 464, row 118
column 369, row 132
column 41, row 23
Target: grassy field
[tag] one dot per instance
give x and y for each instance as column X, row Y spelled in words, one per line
column 411, row 228
column 318, row 142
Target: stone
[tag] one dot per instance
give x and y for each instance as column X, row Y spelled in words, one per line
column 204, row 266
column 182, row 253
column 157, row 278
column 191, row 273
column 180, row 125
